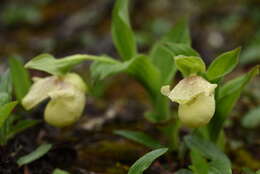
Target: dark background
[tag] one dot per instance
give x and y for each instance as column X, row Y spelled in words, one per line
column 62, row 27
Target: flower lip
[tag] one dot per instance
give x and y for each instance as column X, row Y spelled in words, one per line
column 76, row 81
column 188, row 89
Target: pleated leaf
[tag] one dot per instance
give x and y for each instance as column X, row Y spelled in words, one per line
column 49, row 64
column 122, row 33
column 219, row 161
column 36, row 154
column 223, row 64
column 144, row 162
column 140, row 67
column 226, row 99
column 140, row 137
column 5, row 111
column 20, row 78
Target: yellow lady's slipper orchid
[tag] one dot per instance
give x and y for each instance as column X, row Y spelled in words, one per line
column 67, row 94
column 195, row 97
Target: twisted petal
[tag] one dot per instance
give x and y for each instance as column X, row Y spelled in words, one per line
column 40, row 91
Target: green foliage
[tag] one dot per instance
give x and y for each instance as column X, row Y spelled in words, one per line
column 122, row 33
column 223, row 64
column 252, row 118
column 202, row 148
column 140, row 67
column 189, row 65
column 20, row 78
column 171, row 53
column 14, row 125
column 151, row 71
column 146, row 73
column 59, row 171
column 10, row 124
column 100, row 70
column 176, row 42
column 199, row 163
column 21, row 125
column 5, row 88
column 36, row 154
column 181, row 49
column 140, row 137
column 144, row 162
column 5, row 111
column 227, row 96
column 162, row 58
column 47, row 63
column 248, row 171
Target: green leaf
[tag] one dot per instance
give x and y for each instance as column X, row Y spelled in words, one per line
column 142, row 69
column 181, row 49
column 140, row 137
column 14, row 124
column 258, row 172
column 36, row 154
column 122, row 33
column 248, row 171
column 5, row 88
column 219, row 161
column 223, row 64
column 144, row 162
column 4, row 98
column 219, row 167
column 252, row 118
column 206, row 148
column 20, row 126
column 5, row 111
column 227, row 97
column 47, row 63
column 189, row 65
column 100, row 70
column 174, row 43
column 199, row 163
column 139, row 67
column 238, row 83
column 20, row 78
column 59, row 171
column 6, row 82
column 162, row 57
column 171, row 133
column 179, row 33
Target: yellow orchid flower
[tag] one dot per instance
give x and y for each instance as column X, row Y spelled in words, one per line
column 195, row 97
column 67, row 98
